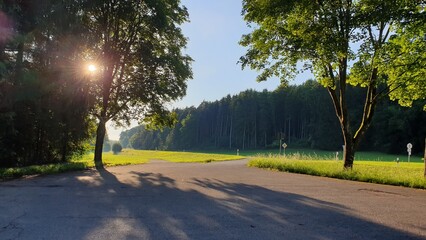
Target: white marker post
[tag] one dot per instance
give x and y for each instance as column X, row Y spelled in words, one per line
column 409, row 147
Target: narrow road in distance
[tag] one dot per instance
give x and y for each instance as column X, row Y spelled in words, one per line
column 220, row 200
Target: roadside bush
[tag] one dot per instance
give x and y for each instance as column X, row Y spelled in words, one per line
column 116, row 148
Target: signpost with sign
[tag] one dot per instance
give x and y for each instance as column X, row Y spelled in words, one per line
column 409, row 147
column 284, row 146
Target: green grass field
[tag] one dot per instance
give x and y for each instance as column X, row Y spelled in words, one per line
column 323, row 155
column 127, row 157
column 374, row 167
column 391, row 173
column 131, row 156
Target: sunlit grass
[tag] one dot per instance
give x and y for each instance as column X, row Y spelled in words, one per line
column 321, row 154
column 391, row 173
column 130, row 156
column 126, row 157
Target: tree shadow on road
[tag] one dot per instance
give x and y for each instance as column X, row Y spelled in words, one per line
column 160, row 208
column 154, row 206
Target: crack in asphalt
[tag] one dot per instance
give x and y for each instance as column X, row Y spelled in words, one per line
column 379, row 191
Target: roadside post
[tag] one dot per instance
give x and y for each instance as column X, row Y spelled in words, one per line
column 409, row 147
column 284, row 146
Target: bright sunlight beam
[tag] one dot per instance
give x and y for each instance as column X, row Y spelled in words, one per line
column 92, row 68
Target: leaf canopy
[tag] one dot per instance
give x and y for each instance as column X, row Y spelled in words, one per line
column 325, row 34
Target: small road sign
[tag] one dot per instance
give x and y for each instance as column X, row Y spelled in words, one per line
column 409, row 147
column 284, row 145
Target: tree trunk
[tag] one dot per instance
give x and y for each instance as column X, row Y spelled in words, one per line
column 265, row 140
column 64, row 147
column 100, row 136
column 20, row 60
column 255, row 131
column 244, row 137
column 424, row 158
column 230, row 135
column 348, row 151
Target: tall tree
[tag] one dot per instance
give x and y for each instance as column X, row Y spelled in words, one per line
column 137, row 46
column 327, row 35
column 41, row 105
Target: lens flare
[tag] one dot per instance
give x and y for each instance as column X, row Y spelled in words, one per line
column 91, row 68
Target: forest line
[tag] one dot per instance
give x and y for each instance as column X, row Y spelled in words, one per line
column 300, row 115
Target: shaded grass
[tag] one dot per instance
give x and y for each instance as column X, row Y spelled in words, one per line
column 127, row 157
column 390, row 173
column 12, row 173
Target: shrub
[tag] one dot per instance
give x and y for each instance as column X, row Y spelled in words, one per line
column 116, row 148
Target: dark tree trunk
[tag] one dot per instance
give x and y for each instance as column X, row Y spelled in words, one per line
column 64, row 147
column 100, row 136
column 351, row 140
column 348, row 151
column 424, row 158
column 19, row 59
column 230, row 135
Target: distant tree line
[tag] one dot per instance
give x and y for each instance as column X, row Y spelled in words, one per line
column 299, row 115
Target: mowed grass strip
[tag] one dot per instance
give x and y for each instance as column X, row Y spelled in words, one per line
column 126, row 157
column 131, row 156
column 390, row 173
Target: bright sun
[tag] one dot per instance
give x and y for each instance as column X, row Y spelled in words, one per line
column 91, row 68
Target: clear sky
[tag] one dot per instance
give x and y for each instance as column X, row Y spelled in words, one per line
column 214, row 30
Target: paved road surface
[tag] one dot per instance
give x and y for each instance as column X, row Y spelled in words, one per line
column 223, row 200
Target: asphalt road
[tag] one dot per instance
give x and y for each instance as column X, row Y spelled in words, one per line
column 224, row 200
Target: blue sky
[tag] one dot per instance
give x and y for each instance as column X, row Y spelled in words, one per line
column 214, row 30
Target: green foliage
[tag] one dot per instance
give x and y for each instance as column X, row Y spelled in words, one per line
column 404, row 61
column 342, row 43
column 46, row 96
column 137, row 46
column 256, row 120
column 116, row 148
column 43, row 107
column 402, row 174
column 144, row 45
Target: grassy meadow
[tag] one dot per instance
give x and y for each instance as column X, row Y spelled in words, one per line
column 126, row 157
column 390, row 173
column 131, row 156
column 322, row 154
column 369, row 166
